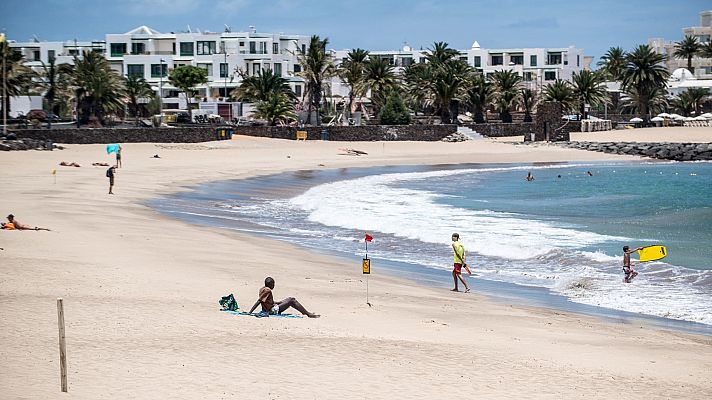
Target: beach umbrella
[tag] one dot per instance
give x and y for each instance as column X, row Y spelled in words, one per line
column 636, row 119
column 677, row 116
column 706, row 115
column 664, row 115
column 689, row 119
column 700, row 118
column 657, row 119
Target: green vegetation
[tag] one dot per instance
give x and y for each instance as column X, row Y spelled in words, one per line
column 687, row 48
column 317, row 66
column 262, row 87
column 277, row 108
column 186, row 78
column 645, row 78
column 137, row 88
column 394, row 111
column 99, row 91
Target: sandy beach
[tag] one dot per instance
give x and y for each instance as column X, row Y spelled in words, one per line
column 140, row 294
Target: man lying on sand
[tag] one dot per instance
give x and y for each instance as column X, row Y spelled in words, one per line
column 269, row 306
column 12, row 224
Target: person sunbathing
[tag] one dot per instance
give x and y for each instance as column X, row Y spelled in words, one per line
column 71, row 164
column 269, row 306
column 13, row 224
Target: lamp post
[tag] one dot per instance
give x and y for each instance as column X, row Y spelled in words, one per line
column 226, row 97
column 3, row 47
column 160, row 95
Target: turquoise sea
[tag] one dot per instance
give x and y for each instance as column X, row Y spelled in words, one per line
column 562, row 232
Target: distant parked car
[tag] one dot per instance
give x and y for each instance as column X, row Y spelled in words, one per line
column 183, row 118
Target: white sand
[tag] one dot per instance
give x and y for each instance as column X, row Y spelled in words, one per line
column 141, row 291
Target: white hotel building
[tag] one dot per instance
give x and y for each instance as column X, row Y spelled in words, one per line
column 537, row 66
column 151, row 54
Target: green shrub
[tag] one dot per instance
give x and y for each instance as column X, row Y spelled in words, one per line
column 394, row 112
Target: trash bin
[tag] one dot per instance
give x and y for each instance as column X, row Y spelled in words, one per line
column 324, row 135
column 224, row 133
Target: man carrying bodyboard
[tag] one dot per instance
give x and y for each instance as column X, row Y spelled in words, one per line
column 459, row 262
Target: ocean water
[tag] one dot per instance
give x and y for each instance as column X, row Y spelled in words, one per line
column 562, row 232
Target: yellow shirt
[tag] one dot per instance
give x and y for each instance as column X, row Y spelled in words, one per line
column 459, row 248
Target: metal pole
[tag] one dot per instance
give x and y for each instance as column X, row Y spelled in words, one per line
column 4, row 48
column 160, row 96
column 62, row 345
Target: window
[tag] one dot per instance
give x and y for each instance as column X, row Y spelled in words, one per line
column 578, row 60
column 704, row 38
column 532, row 61
column 75, row 52
column 463, row 58
column 138, row 48
column 298, row 90
column 553, row 58
column 517, row 59
column 36, row 55
column 242, row 44
column 117, row 49
column 173, row 48
column 421, row 60
column 297, row 68
column 497, row 59
column 528, row 76
column 205, row 48
column 186, row 48
column 50, row 54
column 278, row 69
column 478, row 62
column 549, row 75
column 255, row 68
column 159, row 70
column 275, row 48
column 263, row 48
column 253, row 47
column 134, row 70
column 223, row 70
column 207, row 67
column 304, row 48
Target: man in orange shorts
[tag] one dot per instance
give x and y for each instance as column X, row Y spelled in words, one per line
column 458, row 262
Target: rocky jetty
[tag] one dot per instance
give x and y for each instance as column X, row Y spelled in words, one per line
column 663, row 151
column 27, row 144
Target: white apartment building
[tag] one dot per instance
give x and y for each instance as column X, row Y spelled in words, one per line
column 151, row 54
column 537, row 66
column 702, row 66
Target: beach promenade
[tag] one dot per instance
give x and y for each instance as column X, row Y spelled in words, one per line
column 140, row 294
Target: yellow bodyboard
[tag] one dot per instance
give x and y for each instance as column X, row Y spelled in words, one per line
column 652, row 253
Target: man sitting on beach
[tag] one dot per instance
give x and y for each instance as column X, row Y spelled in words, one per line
column 12, row 224
column 269, row 306
column 459, row 262
column 627, row 268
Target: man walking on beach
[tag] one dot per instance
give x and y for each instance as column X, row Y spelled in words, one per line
column 627, row 268
column 110, row 174
column 458, row 262
column 269, row 306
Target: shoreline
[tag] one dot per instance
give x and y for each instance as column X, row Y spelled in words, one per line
column 141, row 295
column 278, row 186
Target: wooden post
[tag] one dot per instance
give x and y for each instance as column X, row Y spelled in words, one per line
column 62, row 344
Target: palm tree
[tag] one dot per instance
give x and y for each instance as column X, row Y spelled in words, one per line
column 99, row 89
column 18, row 77
column 417, row 78
column 378, row 77
column 351, row 72
column 506, row 85
column 186, row 78
column 613, row 63
column 317, row 66
column 478, row 96
column 54, row 82
column 656, row 101
column 262, row 86
column 682, row 104
column 278, row 107
column 644, row 76
column 449, row 76
column 706, row 50
column 589, row 89
column 529, row 100
column 697, row 97
column 687, row 48
column 561, row 92
column 137, row 88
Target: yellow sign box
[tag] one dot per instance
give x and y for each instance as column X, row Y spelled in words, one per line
column 366, row 266
column 301, row 135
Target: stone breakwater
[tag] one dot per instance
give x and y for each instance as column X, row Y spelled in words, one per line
column 663, row 151
column 27, row 144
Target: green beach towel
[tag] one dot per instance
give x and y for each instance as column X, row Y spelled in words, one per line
column 262, row 314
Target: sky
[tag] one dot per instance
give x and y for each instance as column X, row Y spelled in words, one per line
column 593, row 25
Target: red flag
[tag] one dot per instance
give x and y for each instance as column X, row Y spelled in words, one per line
column 368, row 237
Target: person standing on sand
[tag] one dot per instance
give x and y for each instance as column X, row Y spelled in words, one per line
column 110, row 174
column 627, row 268
column 269, row 306
column 458, row 262
column 118, row 158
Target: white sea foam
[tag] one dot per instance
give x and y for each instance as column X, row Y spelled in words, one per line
column 374, row 203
